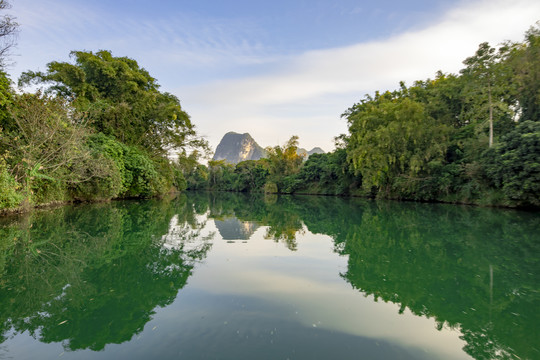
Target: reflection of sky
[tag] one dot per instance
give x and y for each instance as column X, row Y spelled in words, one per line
column 307, row 288
column 258, row 297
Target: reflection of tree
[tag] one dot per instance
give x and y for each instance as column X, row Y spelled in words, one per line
column 94, row 274
column 279, row 215
column 283, row 223
column 473, row 269
column 436, row 261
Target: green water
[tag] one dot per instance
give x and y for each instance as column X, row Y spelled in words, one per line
column 227, row 276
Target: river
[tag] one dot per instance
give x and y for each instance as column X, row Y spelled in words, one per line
column 235, row 276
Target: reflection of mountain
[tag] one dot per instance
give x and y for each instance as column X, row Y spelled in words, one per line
column 93, row 275
column 234, row 229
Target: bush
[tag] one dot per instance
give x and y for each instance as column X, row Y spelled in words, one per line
column 105, row 173
column 9, row 197
column 119, row 170
column 270, row 188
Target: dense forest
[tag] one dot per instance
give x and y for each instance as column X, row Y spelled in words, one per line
column 98, row 128
column 472, row 137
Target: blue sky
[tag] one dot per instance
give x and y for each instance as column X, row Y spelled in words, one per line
column 271, row 68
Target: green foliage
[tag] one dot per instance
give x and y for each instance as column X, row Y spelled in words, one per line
column 120, row 98
column 270, row 188
column 45, row 146
column 251, row 175
column 125, row 171
column 524, row 62
column 197, row 178
column 428, row 142
column 6, row 99
column 284, row 160
column 220, row 175
column 391, row 138
column 486, row 91
column 514, row 164
column 10, row 197
column 327, row 174
column 179, row 181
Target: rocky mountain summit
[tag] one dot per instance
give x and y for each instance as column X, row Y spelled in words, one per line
column 306, row 154
column 235, row 148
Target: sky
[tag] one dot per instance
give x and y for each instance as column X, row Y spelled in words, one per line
column 271, row 68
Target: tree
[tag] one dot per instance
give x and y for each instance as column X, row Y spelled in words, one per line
column 251, row 175
column 220, row 175
column 392, row 138
column 524, row 60
column 47, row 142
column 486, row 79
column 8, row 32
column 284, row 160
column 120, row 99
column 513, row 165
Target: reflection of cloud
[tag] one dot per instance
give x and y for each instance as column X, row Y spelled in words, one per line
column 182, row 236
column 326, row 82
column 308, row 285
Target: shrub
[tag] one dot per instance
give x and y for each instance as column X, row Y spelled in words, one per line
column 9, row 196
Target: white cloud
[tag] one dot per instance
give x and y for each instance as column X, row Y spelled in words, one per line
column 326, row 82
column 301, row 94
column 175, row 41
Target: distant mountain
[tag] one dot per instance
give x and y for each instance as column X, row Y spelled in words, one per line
column 315, row 150
column 235, row 148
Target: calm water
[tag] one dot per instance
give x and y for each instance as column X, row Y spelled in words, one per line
column 226, row 276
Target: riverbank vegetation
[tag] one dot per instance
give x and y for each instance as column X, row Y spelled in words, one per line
column 95, row 128
column 99, row 128
column 472, row 137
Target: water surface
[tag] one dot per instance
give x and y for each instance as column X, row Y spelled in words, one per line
column 231, row 276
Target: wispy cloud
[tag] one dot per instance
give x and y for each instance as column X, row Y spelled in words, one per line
column 260, row 89
column 181, row 40
column 326, row 82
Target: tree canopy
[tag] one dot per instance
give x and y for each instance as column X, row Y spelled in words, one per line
column 120, row 99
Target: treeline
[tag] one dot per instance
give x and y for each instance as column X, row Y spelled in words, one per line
column 472, row 137
column 98, row 128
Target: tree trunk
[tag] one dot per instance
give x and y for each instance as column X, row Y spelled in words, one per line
column 490, row 117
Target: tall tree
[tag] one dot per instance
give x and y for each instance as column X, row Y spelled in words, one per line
column 524, row 59
column 284, row 160
column 393, row 137
column 120, row 98
column 486, row 89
